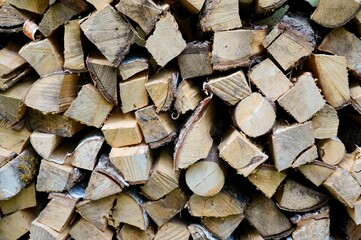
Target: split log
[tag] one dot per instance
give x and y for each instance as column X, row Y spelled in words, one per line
column 237, row 48
column 240, row 152
column 14, row 141
column 166, row 42
column 89, row 108
column 133, row 93
column 263, row 6
column 188, row 95
column 355, row 212
column 199, row 233
column 355, row 95
column 274, row 18
column 85, row 230
column 132, row 64
column 26, row 198
column 305, row 89
column 174, row 229
column 254, row 115
column 39, row 231
column 73, row 48
column 307, row 156
column 17, row 224
column 11, row 20
column 99, row 4
column 222, row 227
column 248, row 232
column 101, row 186
column 230, row 88
column 122, row 129
column 317, row 172
column 328, row 13
column 129, row 232
column 220, row 16
column 331, row 73
column 119, row 34
column 6, row 156
column 194, row 6
column 325, row 123
column 331, row 150
column 45, row 143
column 18, row 173
column 36, row 6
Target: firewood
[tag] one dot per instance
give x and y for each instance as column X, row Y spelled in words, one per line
column 328, row 13
column 96, row 212
column 119, row 34
column 194, row 6
column 144, row 12
column 331, row 150
column 222, row 227
column 343, row 187
column 163, row 179
column 355, row 212
column 6, row 156
column 155, row 127
column 222, row 204
column 312, row 100
column 248, row 156
column 133, row 93
column 45, row 143
column 132, row 64
column 99, row 4
column 18, row 173
column 325, row 123
column 39, row 231
column 17, row 224
column 129, row 209
column 357, row 22
column 166, row 42
column 317, row 172
column 230, row 88
column 298, row 138
column 294, row 197
column 122, row 129
column 267, row 179
column 199, row 124
column 263, row 6
column 174, row 229
column 162, row 210
column 11, row 19
column 220, row 16
column 89, row 108
column 254, row 115
column 334, row 43
column 161, row 88
column 52, row 123
column 355, row 95
column 248, row 232
column 64, row 90
column 14, row 141
column 26, row 198
column 188, row 95
column 332, row 78
column 275, row 17
column 85, row 230
column 73, row 48
column 101, row 186
column 44, row 56
column 198, row 232
column 129, row 232
column 36, row 6
column 207, row 176
column 271, row 225
column 104, row 76
column 308, row 155
column 236, row 48
column 195, row 60
column 133, row 162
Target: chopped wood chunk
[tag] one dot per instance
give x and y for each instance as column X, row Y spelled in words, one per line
column 307, row 156
column 12, row 140
column 73, row 48
column 268, row 5
column 331, row 150
column 355, row 212
column 85, row 230
column 26, row 198
column 222, row 227
column 6, row 156
column 11, row 19
column 188, row 95
column 174, row 229
column 36, row 6
column 198, row 232
column 17, row 224
column 317, row 172
column 45, row 143
column 325, row 123
column 128, row 232
column 101, row 186
column 39, row 231
column 99, row 4
column 132, row 64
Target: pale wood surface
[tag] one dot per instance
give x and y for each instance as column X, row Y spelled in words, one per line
column 85, row 230
column 26, row 198
column 132, row 64
column 268, row 5
column 188, row 96
column 13, row 140
column 39, row 231
column 307, row 156
column 101, row 186
column 331, row 150
column 6, row 156
column 99, row 4
column 317, row 172
column 128, row 232
column 17, row 224
column 36, row 6
column 222, row 227
column 325, row 123
column 73, row 48
column 194, row 6
column 44, row 143
column 174, row 229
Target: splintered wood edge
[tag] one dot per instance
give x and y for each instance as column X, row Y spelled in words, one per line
column 105, row 167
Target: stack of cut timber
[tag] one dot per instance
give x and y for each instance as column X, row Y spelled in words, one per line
column 180, row 119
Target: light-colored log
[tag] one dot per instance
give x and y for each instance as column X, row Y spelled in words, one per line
column 174, row 229
column 325, row 123
column 198, row 232
column 222, row 227
column 308, row 155
column 17, row 224
column 6, row 156
column 132, row 64
column 128, row 232
column 44, row 143
column 317, row 172
column 263, row 6
column 188, row 95
column 85, row 230
column 39, row 231
column 331, row 150
column 12, row 140
column 36, row 6
column 26, row 198
column 73, row 48
column 101, row 186
column 194, row 6
column 99, row 4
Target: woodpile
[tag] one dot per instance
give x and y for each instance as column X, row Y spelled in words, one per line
column 179, row 119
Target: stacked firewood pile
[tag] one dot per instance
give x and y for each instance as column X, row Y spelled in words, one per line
column 202, row 119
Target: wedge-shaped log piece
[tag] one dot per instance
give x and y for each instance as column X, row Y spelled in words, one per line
column 89, row 108
column 174, row 229
column 17, row 224
column 133, row 93
column 133, row 162
column 263, row 6
column 254, row 115
column 272, row 224
column 73, row 48
column 161, row 88
column 222, row 204
column 294, row 197
column 99, row 4
column 128, row 232
column 104, row 76
column 96, row 212
column 143, row 12
column 308, row 155
column 189, row 147
column 53, row 93
column 297, row 138
column 122, row 129
column 230, row 88
column 11, row 20
column 166, row 42
column 18, row 173
column 331, row 150
column 14, row 141
column 162, row 210
column 236, row 48
column 239, row 152
column 129, row 209
column 304, row 89
column 198, row 232
column 45, row 143
column 44, row 56
column 194, row 6
column 331, row 73
column 325, row 123
column 317, row 172
column 163, row 179
column 39, row 231
column 26, row 198
column 36, row 6
column 133, row 64
column 10, row 60
column 188, row 95
column 248, row 232
column 222, row 227
column 101, row 186
column 85, row 230
column 220, row 15
column 110, row 33
column 335, row 13
column 267, row 179
column 6, row 156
